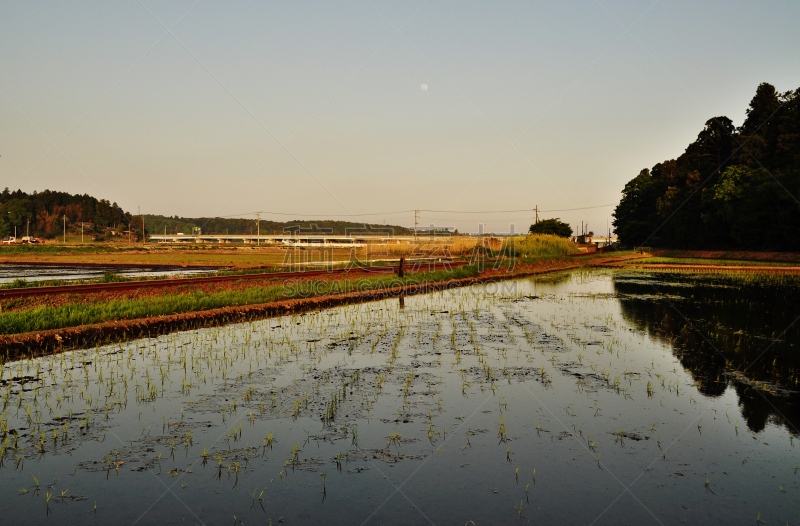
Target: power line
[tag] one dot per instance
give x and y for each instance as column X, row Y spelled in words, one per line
column 514, row 211
column 421, row 210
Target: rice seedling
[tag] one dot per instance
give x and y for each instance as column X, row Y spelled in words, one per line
column 501, row 431
column 707, row 485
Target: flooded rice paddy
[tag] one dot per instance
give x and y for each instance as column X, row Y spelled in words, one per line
column 13, row 271
column 591, row 397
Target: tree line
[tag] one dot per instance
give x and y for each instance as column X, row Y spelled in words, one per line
column 43, row 214
column 731, row 188
column 158, row 224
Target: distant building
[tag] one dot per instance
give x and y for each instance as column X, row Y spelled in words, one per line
column 592, row 242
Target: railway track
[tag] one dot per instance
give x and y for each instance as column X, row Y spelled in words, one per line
column 93, row 288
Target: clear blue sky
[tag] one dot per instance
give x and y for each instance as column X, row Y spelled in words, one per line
column 318, row 107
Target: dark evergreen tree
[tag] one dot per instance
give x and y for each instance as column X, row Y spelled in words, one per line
column 731, row 188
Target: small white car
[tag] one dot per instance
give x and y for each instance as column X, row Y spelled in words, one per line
column 9, row 240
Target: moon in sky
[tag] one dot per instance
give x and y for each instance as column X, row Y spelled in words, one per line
column 424, row 87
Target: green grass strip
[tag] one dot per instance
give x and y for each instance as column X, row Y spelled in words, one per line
column 76, row 314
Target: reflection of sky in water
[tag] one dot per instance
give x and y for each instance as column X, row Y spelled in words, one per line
column 561, row 361
column 10, row 272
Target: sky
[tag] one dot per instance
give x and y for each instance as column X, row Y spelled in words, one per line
column 471, row 112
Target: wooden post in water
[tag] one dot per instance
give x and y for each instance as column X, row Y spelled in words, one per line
column 400, row 266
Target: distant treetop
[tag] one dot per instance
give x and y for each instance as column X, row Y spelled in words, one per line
column 551, row 226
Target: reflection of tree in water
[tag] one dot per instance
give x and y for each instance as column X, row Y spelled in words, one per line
column 556, row 278
column 740, row 318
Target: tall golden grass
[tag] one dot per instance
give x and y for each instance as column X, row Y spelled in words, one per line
column 456, row 246
column 463, row 246
column 534, row 245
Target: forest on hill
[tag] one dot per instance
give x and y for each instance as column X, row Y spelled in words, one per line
column 157, row 224
column 45, row 214
column 731, row 188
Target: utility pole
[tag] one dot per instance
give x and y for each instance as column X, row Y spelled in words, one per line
column 65, row 229
column 537, row 213
column 28, row 231
column 258, row 228
column 81, row 232
column 416, row 212
column 144, row 236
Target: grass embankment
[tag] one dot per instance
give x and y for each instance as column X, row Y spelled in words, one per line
column 76, row 314
column 732, row 257
column 730, row 278
column 714, row 262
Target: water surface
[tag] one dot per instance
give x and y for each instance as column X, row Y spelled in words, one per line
column 579, row 397
column 11, row 271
